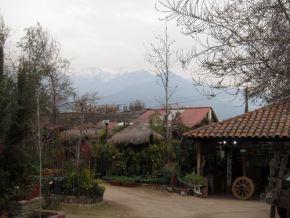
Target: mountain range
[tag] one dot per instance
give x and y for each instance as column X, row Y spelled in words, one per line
column 126, row 87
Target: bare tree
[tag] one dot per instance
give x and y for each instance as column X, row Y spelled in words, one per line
column 241, row 43
column 83, row 105
column 159, row 56
column 136, row 105
column 41, row 55
column 42, row 52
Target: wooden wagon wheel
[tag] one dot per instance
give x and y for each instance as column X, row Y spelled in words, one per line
column 243, row 188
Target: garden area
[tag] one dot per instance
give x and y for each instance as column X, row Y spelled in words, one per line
column 46, row 161
column 76, row 172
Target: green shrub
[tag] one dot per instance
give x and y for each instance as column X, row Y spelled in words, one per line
column 15, row 170
column 81, row 181
column 167, row 172
column 196, row 179
column 96, row 191
column 97, row 181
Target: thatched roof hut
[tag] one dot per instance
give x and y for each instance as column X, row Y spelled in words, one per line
column 136, row 134
column 75, row 133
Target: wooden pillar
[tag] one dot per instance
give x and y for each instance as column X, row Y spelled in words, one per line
column 243, row 161
column 229, row 170
column 198, row 158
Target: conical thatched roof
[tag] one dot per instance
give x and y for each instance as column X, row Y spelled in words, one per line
column 135, row 134
column 75, row 133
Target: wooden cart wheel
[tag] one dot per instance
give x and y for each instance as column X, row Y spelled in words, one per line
column 243, row 188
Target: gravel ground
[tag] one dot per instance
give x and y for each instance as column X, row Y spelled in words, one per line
column 142, row 202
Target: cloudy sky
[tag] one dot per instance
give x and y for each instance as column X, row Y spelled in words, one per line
column 106, row 34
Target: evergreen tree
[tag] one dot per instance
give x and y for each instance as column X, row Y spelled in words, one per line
column 17, row 108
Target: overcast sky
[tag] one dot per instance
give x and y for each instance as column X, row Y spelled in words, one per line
column 105, row 34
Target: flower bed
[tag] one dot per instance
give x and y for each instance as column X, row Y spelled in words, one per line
column 78, row 186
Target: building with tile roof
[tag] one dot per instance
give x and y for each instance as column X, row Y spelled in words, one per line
column 268, row 123
column 191, row 117
column 240, row 149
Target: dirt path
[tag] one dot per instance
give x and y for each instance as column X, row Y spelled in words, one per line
column 143, row 202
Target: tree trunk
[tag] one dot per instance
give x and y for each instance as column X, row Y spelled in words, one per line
column 1, row 61
column 53, row 119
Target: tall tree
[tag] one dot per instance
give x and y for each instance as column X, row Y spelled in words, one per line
column 244, row 43
column 23, row 117
column 159, row 56
column 41, row 54
column 15, row 163
column 42, row 51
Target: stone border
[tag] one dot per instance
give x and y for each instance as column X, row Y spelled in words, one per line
column 154, row 186
column 24, row 208
column 79, row 200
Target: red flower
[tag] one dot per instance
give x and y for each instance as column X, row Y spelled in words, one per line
column 86, row 148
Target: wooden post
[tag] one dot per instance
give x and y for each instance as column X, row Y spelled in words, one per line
column 244, row 166
column 272, row 211
column 198, row 158
column 277, row 194
column 229, row 170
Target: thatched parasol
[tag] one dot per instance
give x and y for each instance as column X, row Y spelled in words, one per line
column 76, row 133
column 135, row 134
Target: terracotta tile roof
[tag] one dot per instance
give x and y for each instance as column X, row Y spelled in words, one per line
column 190, row 116
column 272, row 121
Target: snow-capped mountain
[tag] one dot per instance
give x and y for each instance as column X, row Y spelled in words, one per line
column 126, row 87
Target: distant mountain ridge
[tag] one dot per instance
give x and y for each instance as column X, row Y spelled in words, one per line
column 123, row 88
